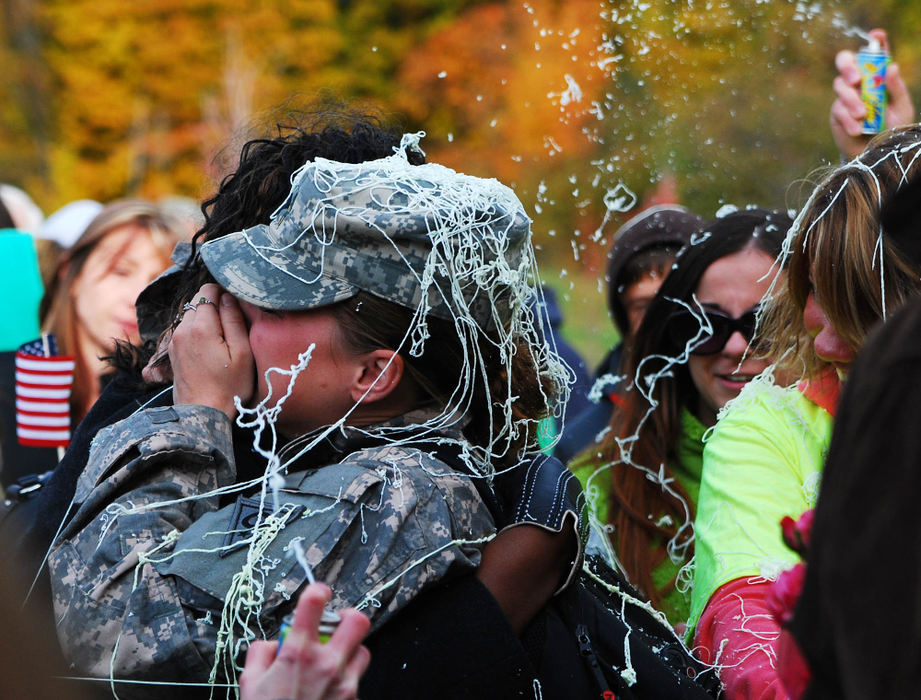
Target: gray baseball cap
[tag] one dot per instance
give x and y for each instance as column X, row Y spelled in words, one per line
column 411, row 234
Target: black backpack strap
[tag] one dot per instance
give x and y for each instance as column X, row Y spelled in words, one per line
column 599, row 638
column 540, row 492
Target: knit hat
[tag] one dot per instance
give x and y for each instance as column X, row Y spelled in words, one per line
column 69, row 222
column 660, row 225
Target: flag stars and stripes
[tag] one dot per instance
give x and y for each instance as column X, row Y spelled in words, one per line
column 43, row 386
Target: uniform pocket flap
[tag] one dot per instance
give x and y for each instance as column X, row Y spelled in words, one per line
column 247, row 539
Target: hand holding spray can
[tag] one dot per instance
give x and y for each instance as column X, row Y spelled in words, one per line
column 328, row 622
column 872, row 60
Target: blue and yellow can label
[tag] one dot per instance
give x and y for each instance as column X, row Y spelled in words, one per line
column 872, row 64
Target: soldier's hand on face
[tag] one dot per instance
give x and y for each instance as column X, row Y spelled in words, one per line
column 848, row 110
column 210, row 354
column 306, row 668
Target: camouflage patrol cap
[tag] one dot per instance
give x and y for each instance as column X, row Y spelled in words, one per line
column 415, row 235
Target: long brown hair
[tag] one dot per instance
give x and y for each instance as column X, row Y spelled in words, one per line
column 838, row 251
column 645, row 429
column 58, row 308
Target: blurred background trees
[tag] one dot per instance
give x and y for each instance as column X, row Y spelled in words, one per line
column 582, row 105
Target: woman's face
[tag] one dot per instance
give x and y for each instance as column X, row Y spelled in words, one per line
column 733, row 284
column 829, row 346
column 321, row 394
column 104, row 292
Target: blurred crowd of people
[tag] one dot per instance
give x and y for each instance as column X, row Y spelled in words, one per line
column 345, row 370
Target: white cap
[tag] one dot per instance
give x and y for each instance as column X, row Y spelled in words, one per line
column 67, row 224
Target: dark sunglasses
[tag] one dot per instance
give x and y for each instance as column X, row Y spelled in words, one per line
column 684, row 326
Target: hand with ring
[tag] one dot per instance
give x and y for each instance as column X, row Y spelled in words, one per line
column 210, row 353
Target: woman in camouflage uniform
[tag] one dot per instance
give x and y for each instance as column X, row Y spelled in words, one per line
column 375, row 345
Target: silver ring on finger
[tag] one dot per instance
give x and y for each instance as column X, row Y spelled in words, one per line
column 206, row 300
column 189, row 306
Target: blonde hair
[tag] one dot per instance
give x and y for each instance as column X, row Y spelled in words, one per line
column 837, row 250
column 58, row 310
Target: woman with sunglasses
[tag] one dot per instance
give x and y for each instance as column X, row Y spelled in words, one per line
column 765, row 457
column 690, row 356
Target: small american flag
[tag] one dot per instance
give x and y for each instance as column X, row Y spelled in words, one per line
column 43, row 384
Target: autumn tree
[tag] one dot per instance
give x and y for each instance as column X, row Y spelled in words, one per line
column 136, row 98
column 506, row 91
column 570, row 101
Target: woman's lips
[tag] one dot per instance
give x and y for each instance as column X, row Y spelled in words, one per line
column 735, row 381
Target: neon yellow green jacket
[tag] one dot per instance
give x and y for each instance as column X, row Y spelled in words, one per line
column 763, row 461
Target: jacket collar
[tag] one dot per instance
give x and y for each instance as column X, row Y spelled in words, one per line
column 823, row 390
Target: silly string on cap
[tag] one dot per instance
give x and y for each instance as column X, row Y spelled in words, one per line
column 425, row 237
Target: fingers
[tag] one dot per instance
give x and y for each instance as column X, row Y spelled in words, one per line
column 848, row 110
column 846, row 63
column 901, row 111
column 346, row 644
column 343, row 645
column 351, row 630
column 346, row 654
column 308, row 614
column 208, row 368
column 358, row 665
column 199, row 313
column 305, row 668
column 880, row 36
column 157, row 369
column 849, row 97
column 259, row 657
column 236, row 340
column 848, row 116
column 233, row 324
column 312, row 667
column 207, row 296
column 347, row 686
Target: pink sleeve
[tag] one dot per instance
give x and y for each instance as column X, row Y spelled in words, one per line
column 738, row 633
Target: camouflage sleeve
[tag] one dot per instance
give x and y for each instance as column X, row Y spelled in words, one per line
column 426, row 524
column 146, row 480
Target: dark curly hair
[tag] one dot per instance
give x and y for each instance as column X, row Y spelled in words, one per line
column 249, row 195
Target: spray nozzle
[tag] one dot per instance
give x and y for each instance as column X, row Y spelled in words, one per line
column 873, row 45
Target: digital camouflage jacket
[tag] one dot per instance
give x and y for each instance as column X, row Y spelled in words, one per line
column 159, row 543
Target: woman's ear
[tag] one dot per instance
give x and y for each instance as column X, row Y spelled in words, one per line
column 380, row 372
